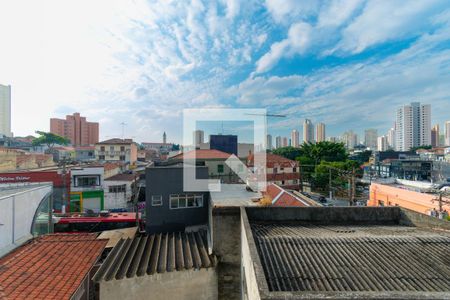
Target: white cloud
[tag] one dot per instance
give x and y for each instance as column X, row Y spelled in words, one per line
column 283, row 11
column 297, row 42
column 383, row 21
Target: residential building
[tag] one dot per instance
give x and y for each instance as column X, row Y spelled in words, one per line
column 388, row 195
column 295, row 138
column 58, row 266
column 168, row 206
column 413, row 126
column 85, row 153
column 160, row 148
column 116, row 150
column 320, row 132
column 447, row 133
column 282, row 198
column 391, row 138
column 370, row 138
column 382, row 144
column 199, row 138
column 333, row 139
column 5, row 110
column 308, row 131
column 269, row 144
column 435, row 136
column 24, row 211
column 86, row 189
column 284, row 142
column 14, row 160
column 120, row 191
column 75, row 128
column 350, row 139
column 224, row 143
column 61, row 153
column 279, row 170
column 214, row 160
column 278, row 142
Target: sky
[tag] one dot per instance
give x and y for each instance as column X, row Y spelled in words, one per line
column 346, row 63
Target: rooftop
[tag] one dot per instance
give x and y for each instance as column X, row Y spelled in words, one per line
column 348, row 252
column 273, row 160
column 116, row 141
column 203, row 154
column 122, row 177
column 234, row 195
column 49, row 267
column 156, row 253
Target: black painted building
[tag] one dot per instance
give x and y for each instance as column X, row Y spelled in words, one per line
column 224, row 143
column 168, row 207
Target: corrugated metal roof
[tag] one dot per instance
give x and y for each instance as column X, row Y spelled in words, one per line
column 304, row 257
column 156, row 253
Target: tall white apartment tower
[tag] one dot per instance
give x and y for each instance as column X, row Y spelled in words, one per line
column 308, row 131
column 391, row 138
column 5, row 110
column 278, row 142
column 320, row 132
column 199, row 138
column 413, row 126
column 370, row 138
column 295, row 138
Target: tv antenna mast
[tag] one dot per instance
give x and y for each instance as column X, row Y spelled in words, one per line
column 123, row 124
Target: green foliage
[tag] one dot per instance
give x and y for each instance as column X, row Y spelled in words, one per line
column 362, row 157
column 49, row 139
column 175, row 147
column 288, row 152
column 337, row 168
column 427, row 147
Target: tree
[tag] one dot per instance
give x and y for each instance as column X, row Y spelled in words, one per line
column 426, row 147
column 288, row 152
column 362, row 157
column 49, row 139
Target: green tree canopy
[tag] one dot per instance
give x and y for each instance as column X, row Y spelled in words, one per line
column 288, row 152
column 49, row 139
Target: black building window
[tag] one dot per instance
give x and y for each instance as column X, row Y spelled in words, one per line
column 185, row 201
column 122, row 157
column 118, row 188
column 219, row 168
column 156, row 200
column 101, row 157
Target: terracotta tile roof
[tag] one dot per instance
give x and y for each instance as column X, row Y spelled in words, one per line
column 116, row 141
column 281, row 197
column 122, row 177
column 156, row 253
column 111, row 166
column 273, row 160
column 51, row 266
column 203, row 154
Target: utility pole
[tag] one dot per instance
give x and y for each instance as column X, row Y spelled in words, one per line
column 353, row 187
column 329, row 184
column 301, row 179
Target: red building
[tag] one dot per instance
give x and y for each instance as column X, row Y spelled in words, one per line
column 280, row 170
column 75, row 127
column 61, row 182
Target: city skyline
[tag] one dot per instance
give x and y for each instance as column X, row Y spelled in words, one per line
column 304, row 60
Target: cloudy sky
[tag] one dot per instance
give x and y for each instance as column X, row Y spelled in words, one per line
column 346, row 63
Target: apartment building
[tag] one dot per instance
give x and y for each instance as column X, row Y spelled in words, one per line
column 413, row 126
column 116, row 150
column 75, row 128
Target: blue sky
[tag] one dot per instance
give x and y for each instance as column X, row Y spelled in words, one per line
column 345, row 63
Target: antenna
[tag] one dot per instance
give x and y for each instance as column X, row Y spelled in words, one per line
column 123, row 124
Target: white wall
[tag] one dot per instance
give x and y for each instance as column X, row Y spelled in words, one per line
column 17, row 212
column 116, row 200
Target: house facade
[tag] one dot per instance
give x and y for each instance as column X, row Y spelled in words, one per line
column 116, row 150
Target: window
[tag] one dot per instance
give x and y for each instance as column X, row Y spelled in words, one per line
column 275, row 170
column 122, row 148
column 90, row 153
column 111, row 148
column 101, row 157
column 86, row 180
column 294, row 169
column 156, row 200
column 185, row 201
column 102, row 148
column 122, row 157
column 219, row 168
column 117, row 188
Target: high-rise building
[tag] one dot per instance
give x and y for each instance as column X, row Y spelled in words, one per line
column 269, row 142
column 278, row 142
column 435, row 136
column 76, row 129
column 199, row 138
column 391, row 138
column 413, row 126
column 224, row 143
column 284, row 142
column 5, row 110
column 320, row 132
column 295, row 138
column 370, row 138
column 447, row 133
column 308, row 131
column 382, row 144
column 350, row 139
